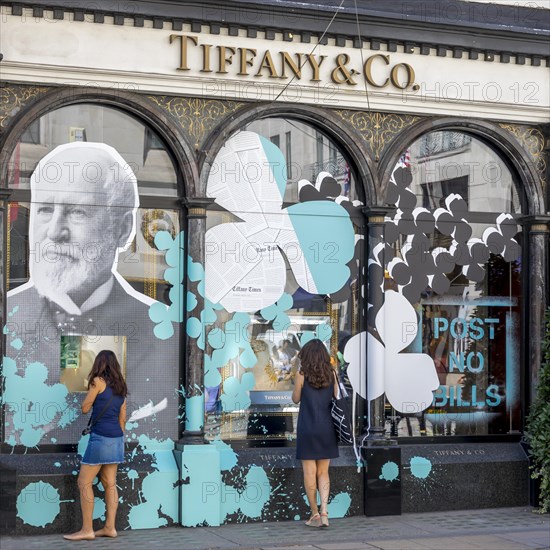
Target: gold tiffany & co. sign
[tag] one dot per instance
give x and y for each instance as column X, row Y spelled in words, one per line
column 377, row 69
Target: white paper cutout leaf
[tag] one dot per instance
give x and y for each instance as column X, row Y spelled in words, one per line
column 148, row 410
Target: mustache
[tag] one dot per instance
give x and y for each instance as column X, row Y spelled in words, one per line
column 54, row 251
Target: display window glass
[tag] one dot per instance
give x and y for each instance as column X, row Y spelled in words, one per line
column 284, row 250
column 453, row 250
column 91, row 189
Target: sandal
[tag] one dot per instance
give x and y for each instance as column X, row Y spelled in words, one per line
column 324, row 519
column 314, row 521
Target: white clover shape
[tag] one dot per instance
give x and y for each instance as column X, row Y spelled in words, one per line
column 245, row 265
column 408, row 379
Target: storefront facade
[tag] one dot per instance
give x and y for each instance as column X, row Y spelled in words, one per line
column 204, row 190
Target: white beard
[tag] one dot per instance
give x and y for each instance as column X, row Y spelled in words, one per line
column 68, row 274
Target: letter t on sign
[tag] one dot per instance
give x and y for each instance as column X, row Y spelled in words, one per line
column 183, row 51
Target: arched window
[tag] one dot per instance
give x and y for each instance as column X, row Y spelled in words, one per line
column 284, row 248
column 91, row 187
column 455, row 254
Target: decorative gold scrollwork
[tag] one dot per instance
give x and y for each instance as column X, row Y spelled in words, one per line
column 378, row 129
column 14, row 97
column 532, row 140
column 197, row 116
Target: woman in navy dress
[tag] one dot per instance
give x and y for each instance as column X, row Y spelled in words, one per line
column 316, row 443
column 105, row 451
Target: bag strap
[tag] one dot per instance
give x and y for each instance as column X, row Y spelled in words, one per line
column 90, row 423
column 342, row 392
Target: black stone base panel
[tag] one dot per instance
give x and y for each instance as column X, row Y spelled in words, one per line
column 463, row 476
column 434, row 477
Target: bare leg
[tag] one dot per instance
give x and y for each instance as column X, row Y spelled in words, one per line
column 323, row 482
column 108, row 480
column 310, row 484
column 85, row 480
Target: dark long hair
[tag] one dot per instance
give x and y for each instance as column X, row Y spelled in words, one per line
column 106, row 366
column 315, row 364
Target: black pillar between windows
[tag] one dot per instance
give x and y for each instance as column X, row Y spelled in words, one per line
column 193, row 367
column 375, row 295
column 538, row 231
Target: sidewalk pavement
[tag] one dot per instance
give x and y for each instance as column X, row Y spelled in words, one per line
column 499, row 529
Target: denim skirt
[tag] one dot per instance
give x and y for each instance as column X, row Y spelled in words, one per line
column 104, row 450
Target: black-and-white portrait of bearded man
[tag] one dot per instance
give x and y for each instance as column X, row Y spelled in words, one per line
column 84, row 200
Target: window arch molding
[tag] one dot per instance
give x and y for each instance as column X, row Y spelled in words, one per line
column 499, row 139
column 130, row 104
column 343, row 135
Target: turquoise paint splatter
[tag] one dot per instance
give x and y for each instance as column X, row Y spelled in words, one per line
column 42, row 403
column 200, row 495
column 159, row 492
column 160, row 314
column 191, row 301
column 228, row 343
column 251, row 499
column 194, row 413
column 323, row 333
column 132, row 474
column 57, row 464
column 31, row 438
column 17, row 344
column 38, row 504
column 248, row 358
column 228, row 457
column 256, row 493
column 150, row 445
column 390, row 471
column 236, row 394
column 164, row 316
column 420, row 467
column 338, row 507
column 196, row 328
column 212, row 376
column 99, row 508
column 195, row 271
column 277, row 313
column 193, row 327
column 296, row 517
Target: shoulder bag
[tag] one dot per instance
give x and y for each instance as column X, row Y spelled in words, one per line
column 341, row 412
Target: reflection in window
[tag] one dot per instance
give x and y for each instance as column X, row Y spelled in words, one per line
column 433, row 194
column 447, row 162
column 470, row 326
column 32, row 133
column 436, row 143
column 140, row 147
column 308, row 152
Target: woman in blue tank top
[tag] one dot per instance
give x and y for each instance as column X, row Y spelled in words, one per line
column 105, row 451
column 316, row 441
